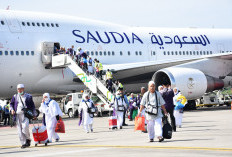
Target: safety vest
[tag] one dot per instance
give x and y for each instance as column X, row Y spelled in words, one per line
column 109, row 75
column 120, row 85
column 100, row 66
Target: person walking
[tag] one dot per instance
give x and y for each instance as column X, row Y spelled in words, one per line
column 153, row 102
column 86, row 112
column 119, row 105
column 19, row 102
column 52, row 113
column 168, row 94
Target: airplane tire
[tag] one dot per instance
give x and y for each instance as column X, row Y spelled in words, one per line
column 191, row 105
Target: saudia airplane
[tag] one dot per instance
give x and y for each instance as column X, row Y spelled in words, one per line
column 194, row 60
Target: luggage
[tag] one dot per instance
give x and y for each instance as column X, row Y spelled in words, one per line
column 167, row 129
column 140, row 123
column 40, row 135
column 60, row 127
column 113, row 122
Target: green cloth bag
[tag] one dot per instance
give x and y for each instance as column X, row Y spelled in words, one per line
column 135, row 112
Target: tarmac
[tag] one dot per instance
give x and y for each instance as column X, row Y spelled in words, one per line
column 205, row 132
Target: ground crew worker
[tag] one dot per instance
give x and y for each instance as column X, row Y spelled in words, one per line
column 100, row 69
column 120, row 86
column 85, row 112
column 6, row 115
column 154, row 116
column 52, row 113
column 96, row 67
column 18, row 102
column 119, row 105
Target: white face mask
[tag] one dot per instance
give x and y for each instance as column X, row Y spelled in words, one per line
column 46, row 100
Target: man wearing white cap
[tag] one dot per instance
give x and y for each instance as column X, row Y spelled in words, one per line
column 119, row 105
column 52, row 113
column 20, row 101
column 85, row 107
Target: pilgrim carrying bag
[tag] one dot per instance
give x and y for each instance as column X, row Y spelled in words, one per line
column 27, row 112
column 152, row 109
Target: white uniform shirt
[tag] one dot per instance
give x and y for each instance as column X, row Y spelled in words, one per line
column 20, row 104
column 152, row 101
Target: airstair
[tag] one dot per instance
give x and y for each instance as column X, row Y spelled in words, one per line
column 90, row 81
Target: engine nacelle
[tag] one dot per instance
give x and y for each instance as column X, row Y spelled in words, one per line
column 191, row 82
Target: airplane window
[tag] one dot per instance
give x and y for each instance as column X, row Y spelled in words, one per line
column 100, row 53
column 208, row 52
column 194, row 53
column 172, row 53
column 136, row 52
column 92, row 53
column 140, row 53
column 204, row 53
column 121, row 53
column 183, row 52
column 187, row 53
column 176, row 53
column 96, row 53
column 164, row 52
column 43, row 24
column 190, row 52
column 113, row 53
column 197, row 52
column 2, row 22
column 6, row 53
column 22, row 53
column 32, row 53
column 179, row 52
column 0, row 53
column 88, row 53
column 104, row 53
column 38, row 24
column 211, row 52
column 48, row 24
column 23, row 23
column 11, row 53
column 57, row 25
column 200, row 52
column 168, row 53
column 128, row 53
column 28, row 23
column 52, row 24
column 109, row 53
column 153, row 52
column 33, row 24
column 27, row 53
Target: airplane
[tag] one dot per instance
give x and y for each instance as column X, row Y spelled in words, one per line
column 194, row 60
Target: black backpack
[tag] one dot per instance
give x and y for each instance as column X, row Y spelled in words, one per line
column 167, row 129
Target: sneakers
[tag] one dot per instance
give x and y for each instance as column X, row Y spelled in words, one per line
column 120, row 127
column 57, row 140
column 151, row 140
column 23, row 146
column 28, row 143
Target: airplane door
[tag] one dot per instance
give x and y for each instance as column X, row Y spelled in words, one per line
column 152, row 54
column 13, row 23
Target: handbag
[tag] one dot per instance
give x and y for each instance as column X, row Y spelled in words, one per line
column 167, row 129
column 60, row 127
column 27, row 112
column 90, row 110
column 140, row 123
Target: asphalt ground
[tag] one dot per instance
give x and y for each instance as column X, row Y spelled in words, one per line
column 205, row 132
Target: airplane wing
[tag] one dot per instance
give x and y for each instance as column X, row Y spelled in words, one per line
column 147, row 69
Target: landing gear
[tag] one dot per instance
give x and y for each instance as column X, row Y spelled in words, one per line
column 191, row 105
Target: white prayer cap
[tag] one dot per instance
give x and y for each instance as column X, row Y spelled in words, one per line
column 46, row 94
column 151, row 82
column 20, row 86
column 176, row 88
column 160, row 87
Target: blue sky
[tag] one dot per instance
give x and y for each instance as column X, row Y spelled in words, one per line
column 151, row 13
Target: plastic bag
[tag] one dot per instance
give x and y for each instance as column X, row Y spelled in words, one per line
column 60, row 128
column 140, row 123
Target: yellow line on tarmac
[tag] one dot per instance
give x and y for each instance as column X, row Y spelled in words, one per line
column 132, row 147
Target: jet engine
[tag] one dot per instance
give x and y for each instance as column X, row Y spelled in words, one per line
column 192, row 83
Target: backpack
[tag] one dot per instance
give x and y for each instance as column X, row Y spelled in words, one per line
column 167, row 129
column 90, row 110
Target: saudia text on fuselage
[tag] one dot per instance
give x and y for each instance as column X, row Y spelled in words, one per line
column 132, row 38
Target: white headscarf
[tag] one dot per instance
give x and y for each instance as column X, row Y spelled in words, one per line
column 85, row 95
column 20, row 86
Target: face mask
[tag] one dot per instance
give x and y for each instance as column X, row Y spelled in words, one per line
column 21, row 93
column 46, row 100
